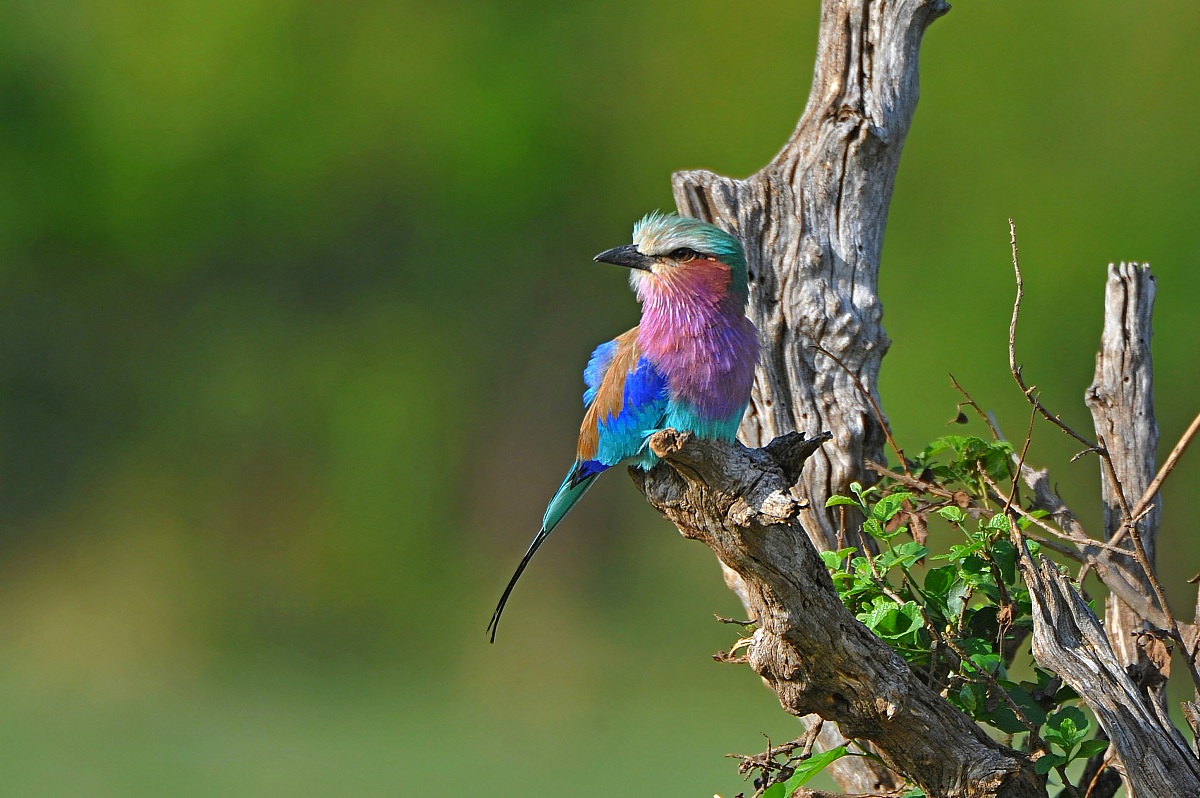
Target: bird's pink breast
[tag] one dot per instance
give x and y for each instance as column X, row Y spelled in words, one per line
column 697, row 334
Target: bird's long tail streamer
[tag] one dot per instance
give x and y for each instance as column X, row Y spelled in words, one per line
column 564, row 499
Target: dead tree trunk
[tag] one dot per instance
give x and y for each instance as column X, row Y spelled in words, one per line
column 1121, row 398
column 812, row 222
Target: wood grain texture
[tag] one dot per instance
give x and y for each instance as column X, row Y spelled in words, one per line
column 1068, row 639
column 808, row 647
column 1121, row 398
column 812, row 222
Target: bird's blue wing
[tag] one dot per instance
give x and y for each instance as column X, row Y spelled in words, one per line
column 597, row 367
column 626, row 400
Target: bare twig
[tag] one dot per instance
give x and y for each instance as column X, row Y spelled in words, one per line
column 971, row 403
column 1027, row 390
column 1143, row 505
column 875, row 408
column 908, row 480
column 1016, row 482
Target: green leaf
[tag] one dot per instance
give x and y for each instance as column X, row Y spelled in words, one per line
column 810, row 767
column 938, row 581
column 1005, row 557
column 1067, row 726
column 965, row 698
column 905, row 555
column 833, row 559
column 1047, row 763
column 989, row 662
column 890, row 505
column 857, row 489
column 1004, row 719
column 1022, row 698
column 1025, row 521
column 893, row 621
column 996, row 460
column 956, row 600
column 997, row 523
column 947, row 443
column 959, row 552
column 835, row 500
column 912, row 549
column 972, row 646
column 952, row 514
column 1089, row 748
column 976, row 571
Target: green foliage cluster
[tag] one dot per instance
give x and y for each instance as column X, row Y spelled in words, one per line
column 959, row 618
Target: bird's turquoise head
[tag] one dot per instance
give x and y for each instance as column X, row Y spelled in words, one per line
column 663, row 242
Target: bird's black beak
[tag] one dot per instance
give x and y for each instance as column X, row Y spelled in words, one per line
column 627, row 256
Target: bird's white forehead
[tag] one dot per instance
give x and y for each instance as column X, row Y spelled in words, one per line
column 657, row 241
column 658, row 235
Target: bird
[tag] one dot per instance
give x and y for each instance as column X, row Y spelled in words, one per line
column 688, row 365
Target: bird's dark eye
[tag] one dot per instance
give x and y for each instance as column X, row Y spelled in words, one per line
column 683, row 253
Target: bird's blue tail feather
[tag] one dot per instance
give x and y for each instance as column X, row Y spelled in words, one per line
column 570, row 491
column 577, row 482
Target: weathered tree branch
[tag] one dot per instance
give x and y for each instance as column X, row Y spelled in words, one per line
column 1068, row 639
column 739, row 502
column 812, row 222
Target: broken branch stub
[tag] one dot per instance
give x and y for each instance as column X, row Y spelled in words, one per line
column 1068, row 639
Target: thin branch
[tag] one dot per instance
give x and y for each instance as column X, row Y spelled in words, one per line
column 971, row 403
column 909, row 481
column 1027, row 390
column 1016, row 482
column 875, row 408
column 1143, row 505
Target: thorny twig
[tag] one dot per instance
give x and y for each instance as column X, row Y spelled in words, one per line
column 765, row 762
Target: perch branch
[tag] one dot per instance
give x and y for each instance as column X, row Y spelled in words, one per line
column 739, row 502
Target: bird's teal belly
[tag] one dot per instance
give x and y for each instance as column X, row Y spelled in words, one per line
column 684, row 416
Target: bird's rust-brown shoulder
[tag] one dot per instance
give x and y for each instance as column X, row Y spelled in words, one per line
column 610, row 393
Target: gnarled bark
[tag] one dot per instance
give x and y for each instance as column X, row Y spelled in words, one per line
column 812, row 222
column 808, row 647
column 1068, row 640
column 1121, row 398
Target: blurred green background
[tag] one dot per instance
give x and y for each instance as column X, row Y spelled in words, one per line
column 294, row 300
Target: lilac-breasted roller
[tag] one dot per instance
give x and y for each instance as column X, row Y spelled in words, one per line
column 688, row 365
